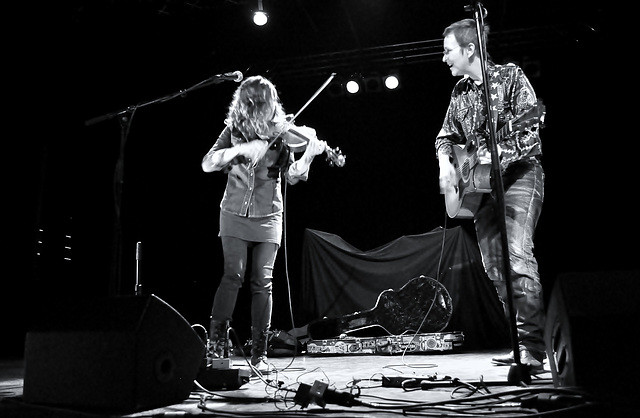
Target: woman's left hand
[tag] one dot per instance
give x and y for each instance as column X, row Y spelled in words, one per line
column 315, row 147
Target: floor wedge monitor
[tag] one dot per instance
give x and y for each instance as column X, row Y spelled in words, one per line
column 591, row 325
column 122, row 354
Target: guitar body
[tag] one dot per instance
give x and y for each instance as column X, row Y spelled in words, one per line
column 471, row 182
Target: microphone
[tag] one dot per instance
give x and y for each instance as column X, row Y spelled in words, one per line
column 234, row 76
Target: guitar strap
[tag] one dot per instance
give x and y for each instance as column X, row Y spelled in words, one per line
column 495, row 89
column 495, row 81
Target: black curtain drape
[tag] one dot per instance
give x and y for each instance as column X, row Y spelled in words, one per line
column 339, row 279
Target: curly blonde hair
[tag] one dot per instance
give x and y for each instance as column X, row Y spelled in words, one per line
column 254, row 105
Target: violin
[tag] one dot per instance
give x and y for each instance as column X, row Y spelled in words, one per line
column 297, row 138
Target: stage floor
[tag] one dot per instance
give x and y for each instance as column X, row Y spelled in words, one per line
column 454, row 383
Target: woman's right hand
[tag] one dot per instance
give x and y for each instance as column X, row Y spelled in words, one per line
column 253, row 150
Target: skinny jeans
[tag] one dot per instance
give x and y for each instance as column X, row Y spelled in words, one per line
column 263, row 255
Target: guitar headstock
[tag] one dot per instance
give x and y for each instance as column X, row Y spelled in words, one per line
column 542, row 110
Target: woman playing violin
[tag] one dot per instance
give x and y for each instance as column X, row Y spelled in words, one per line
column 255, row 158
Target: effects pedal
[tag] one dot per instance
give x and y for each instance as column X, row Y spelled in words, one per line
column 228, row 378
column 221, row 363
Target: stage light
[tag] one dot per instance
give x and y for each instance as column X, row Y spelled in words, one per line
column 352, row 86
column 260, row 17
column 391, row 82
column 372, row 83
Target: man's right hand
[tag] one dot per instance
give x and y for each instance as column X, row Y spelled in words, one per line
column 447, row 177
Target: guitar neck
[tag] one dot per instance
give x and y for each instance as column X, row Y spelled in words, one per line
column 529, row 118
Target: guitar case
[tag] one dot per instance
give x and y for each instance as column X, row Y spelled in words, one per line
column 420, row 305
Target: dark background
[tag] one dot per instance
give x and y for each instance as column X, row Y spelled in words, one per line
column 73, row 61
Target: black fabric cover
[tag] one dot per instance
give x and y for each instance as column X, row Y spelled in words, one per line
column 339, row 279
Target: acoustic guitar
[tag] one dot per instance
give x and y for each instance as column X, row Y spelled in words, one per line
column 473, row 179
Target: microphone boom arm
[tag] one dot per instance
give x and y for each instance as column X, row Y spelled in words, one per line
column 180, row 93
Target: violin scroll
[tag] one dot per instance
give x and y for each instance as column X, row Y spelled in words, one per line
column 335, row 157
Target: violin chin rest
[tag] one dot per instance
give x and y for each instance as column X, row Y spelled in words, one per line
column 297, row 147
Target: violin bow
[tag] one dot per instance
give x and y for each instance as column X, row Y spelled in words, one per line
column 322, row 87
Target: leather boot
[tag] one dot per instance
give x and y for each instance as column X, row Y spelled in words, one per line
column 259, row 342
column 218, row 344
column 525, row 358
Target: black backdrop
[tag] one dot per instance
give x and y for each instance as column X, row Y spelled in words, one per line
column 339, row 279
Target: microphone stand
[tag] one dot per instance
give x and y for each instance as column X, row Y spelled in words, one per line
column 125, row 117
column 518, row 373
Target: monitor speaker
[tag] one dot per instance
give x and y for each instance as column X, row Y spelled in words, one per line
column 122, row 354
column 592, row 322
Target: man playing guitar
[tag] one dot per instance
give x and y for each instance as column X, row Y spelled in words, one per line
column 519, row 151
